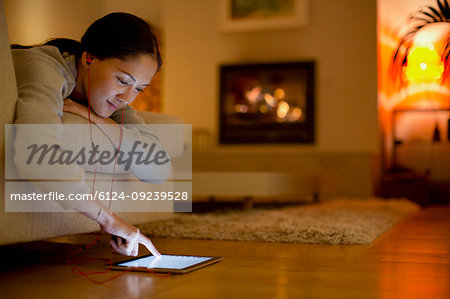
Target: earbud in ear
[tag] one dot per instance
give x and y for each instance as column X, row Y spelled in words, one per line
column 89, row 60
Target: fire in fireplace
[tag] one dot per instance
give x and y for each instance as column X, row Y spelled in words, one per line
column 267, row 103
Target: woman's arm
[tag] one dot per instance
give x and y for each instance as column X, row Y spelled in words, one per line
column 109, row 127
column 135, row 138
column 127, row 238
column 43, row 80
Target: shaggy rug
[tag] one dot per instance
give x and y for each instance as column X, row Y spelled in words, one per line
column 339, row 221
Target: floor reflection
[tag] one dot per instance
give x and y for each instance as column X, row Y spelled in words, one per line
column 139, row 285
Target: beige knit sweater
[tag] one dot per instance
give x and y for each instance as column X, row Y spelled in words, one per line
column 44, row 79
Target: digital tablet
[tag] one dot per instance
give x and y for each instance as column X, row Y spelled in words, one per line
column 167, row 263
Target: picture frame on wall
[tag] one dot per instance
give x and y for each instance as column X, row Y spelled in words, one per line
column 261, row 15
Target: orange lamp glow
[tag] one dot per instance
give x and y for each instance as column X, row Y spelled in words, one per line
column 424, row 65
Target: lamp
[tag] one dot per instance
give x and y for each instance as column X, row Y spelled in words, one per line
column 423, row 65
column 423, row 52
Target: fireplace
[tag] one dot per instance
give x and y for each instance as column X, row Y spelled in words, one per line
column 267, row 103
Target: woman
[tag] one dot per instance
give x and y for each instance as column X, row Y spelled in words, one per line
column 95, row 79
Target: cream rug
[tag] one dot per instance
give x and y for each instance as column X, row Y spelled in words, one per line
column 339, row 221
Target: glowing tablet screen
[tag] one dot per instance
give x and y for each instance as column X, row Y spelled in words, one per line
column 165, row 262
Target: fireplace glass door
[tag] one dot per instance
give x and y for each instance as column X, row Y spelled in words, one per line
column 267, row 103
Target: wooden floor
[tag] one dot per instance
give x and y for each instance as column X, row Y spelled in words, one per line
column 410, row 261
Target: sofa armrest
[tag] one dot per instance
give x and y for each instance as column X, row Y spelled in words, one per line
column 171, row 137
column 159, row 118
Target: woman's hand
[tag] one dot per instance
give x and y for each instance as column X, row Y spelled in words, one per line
column 126, row 238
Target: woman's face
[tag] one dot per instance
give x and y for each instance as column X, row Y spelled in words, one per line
column 115, row 83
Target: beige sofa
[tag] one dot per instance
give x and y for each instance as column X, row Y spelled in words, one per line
column 28, row 226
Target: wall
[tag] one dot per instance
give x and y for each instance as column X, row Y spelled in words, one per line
column 34, row 21
column 340, row 37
